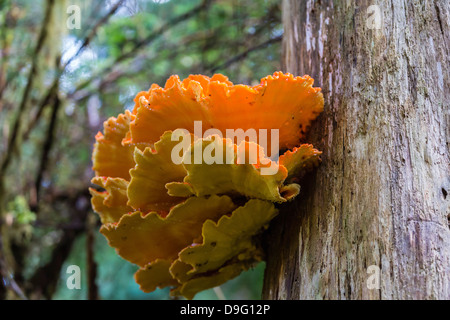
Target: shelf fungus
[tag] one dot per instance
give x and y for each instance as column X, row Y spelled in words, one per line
column 190, row 178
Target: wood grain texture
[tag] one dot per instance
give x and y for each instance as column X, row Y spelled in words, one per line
column 380, row 196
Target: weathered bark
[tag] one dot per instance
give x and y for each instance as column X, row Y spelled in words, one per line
column 380, row 196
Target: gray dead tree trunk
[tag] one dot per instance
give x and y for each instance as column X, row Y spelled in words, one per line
column 379, row 201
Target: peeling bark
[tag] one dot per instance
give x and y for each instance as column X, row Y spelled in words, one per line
column 380, row 196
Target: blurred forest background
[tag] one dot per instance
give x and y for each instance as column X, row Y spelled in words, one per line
column 58, row 83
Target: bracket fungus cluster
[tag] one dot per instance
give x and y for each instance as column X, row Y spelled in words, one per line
column 193, row 225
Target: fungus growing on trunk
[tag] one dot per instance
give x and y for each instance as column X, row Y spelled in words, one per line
column 191, row 222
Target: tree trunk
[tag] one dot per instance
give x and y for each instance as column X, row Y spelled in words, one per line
column 379, row 200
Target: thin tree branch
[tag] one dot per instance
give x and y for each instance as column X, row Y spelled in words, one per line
column 90, row 36
column 244, row 54
column 23, row 104
column 47, row 147
column 51, row 93
column 144, row 42
column 7, row 282
column 62, row 68
column 91, row 264
column 4, row 51
column 6, row 253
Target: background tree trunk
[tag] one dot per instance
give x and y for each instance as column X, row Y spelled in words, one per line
column 380, row 196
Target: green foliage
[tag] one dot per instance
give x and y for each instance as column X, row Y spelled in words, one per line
column 20, row 210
